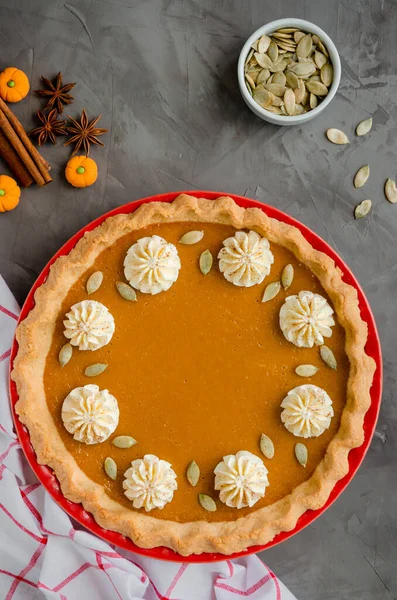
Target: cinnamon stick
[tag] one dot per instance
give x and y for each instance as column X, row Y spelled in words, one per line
column 32, row 152
column 15, row 164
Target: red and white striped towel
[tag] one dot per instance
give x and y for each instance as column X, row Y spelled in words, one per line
column 43, row 554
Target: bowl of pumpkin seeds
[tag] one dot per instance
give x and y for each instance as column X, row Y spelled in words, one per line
column 288, row 71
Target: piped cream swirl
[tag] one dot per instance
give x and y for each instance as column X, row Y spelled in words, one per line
column 307, row 411
column 306, row 319
column 90, row 414
column 152, row 265
column 89, row 325
column 241, row 479
column 245, row 259
column 150, row 482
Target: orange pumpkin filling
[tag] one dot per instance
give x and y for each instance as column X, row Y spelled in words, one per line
column 199, row 371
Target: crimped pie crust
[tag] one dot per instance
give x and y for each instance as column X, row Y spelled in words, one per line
column 34, row 337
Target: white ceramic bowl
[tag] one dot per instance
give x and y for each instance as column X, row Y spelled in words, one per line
column 271, row 28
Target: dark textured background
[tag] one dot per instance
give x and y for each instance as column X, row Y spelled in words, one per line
column 162, row 74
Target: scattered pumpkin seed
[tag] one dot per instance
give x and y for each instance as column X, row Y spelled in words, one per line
column 65, row 354
column 96, row 369
column 336, row 136
column 205, row 262
column 271, row 291
column 191, row 237
column 301, row 454
column 123, row 441
column 361, row 176
column 207, row 502
column 126, row 291
column 94, row 282
column 364, row 127
column 287, row 276
column 110, row 468
column 362, row 209
column 193, row 473
column 266, row 445
column 391, row 191
column 306, row 370
column 328, row 357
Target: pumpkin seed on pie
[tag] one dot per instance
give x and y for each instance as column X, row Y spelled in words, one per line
column 198, row 369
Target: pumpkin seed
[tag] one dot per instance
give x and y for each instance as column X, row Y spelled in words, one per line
column 250, row 81
column 328, row 357
column 250, row 54
column 271, row 291
column 191, row 237
column 263, row 76
column 249, row 89
column 280, row 66
column 319, row 59
column 305, row 46
column 306, row 370
column 287, row 276
column 364, row 127
column 281, row 35
column 277, row 101
column 65, row 354
column 299, row 92
column 287, row 30
column 110, row 468
column 96, row 369
column 289, row 101
column 291, row 79
column 327, row 74
column 302, row 69
column 316, row 39
column 266, row 445
column 362, row 209
column 299, row 109
column 205, row 262
column 275, row 88
column 391, row 191
column 263, row 44
column 322, row 48
column 316, row 87
column 272, row 51
column 298, row 35
column 336, row 136
column 126, row 291
column 207, row 502
column 262, row 96
column 263, row 60
column 301, row 454
column 361, row 176
column 94, row 282
column 280, row 78
column 285, row 46
column 313, row 100
column 193, row 473
column 123, row 441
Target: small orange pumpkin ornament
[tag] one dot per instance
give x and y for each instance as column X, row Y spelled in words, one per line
column 81, row 171
column 9, row 193
column 14, row 85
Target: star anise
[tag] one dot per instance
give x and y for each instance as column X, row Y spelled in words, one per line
column 50, row 128
column 85, row 133
column 57, row 94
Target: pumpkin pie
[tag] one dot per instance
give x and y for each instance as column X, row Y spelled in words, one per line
column 195, row 374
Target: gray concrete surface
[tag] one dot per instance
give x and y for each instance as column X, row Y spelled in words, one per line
column 162, row 74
